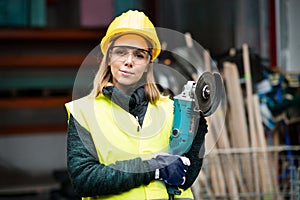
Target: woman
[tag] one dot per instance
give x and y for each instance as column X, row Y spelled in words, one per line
column 118, row 135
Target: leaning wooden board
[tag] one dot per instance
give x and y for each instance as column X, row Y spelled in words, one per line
column 214, row 169
column 220, row 137
column 237, row 123
column 267, row 170
column 251, row 120
column 216, row 172
column 232, row 175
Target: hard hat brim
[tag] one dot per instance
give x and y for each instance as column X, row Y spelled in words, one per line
column 106, row 40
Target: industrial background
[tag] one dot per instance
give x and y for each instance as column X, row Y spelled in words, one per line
column 44, row 42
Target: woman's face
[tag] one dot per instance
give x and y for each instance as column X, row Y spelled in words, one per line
column 128, row 59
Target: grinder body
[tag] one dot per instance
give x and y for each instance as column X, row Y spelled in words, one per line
column 186, row 120
column 200, row 98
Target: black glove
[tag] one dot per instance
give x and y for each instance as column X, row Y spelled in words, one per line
column 170, row 168
column 195, row 154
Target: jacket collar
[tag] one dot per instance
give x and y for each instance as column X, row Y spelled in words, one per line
column 125, row 101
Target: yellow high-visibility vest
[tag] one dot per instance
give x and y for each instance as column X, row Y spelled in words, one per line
column 118, row 136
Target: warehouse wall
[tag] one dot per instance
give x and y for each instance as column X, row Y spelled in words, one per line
column 203, row 18
column 34, row 154
column 220, row 25
column 288, row 34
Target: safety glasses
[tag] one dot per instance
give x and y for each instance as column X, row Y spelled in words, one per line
column 138, row 56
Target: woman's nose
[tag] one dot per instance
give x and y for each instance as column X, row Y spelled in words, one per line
column 129, row 60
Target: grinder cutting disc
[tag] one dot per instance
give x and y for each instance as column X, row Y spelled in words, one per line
column 218, row 93
column 205, row 92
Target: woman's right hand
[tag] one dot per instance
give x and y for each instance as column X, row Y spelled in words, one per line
column 170, row 168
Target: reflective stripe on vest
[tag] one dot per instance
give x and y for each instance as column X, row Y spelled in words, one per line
column 118, row 136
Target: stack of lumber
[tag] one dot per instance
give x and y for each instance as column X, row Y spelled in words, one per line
column 240, row 165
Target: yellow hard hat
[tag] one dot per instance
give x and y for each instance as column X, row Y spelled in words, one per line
column 132, row 22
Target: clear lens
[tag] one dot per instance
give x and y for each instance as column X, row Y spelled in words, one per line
column 138, row 56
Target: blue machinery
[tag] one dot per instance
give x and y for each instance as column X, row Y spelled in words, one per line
column 196, row 99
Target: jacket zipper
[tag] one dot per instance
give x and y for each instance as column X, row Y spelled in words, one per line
column 138, row 127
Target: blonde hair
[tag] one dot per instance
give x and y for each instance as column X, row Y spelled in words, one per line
column 104, row 76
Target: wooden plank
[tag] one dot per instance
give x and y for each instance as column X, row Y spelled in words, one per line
column 237, row 123
column 216, row 170
column 220, row 186
column 202, row 179
column 237, row 114
column 232, row 173
column 268, row 176
column 212, row 140
column 251, row 120
column 219, row 134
